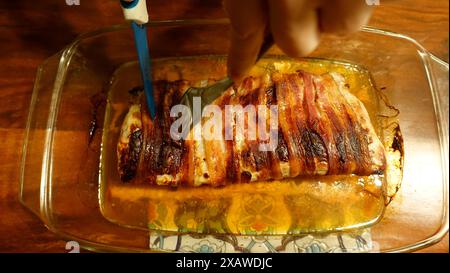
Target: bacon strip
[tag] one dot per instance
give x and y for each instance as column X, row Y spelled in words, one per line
column 322, row 130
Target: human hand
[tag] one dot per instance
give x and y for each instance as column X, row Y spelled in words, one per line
column 296, row 26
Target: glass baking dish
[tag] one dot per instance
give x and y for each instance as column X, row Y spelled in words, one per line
column 60, row 170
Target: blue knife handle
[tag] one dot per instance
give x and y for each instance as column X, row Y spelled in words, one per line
column 140, row 38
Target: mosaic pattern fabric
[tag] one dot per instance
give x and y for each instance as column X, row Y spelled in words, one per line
column 357, row 241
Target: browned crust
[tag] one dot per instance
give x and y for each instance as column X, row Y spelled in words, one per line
column 320, row 132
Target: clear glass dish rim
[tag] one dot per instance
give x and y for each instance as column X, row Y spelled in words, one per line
column 66, row 55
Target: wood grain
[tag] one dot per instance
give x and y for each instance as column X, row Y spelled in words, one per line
column 31, row 32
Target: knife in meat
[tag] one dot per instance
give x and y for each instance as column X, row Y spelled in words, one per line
column 136, row 12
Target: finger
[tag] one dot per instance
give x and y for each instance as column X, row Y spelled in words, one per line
column 294, row 25
column 344, row 16
column 248, row 22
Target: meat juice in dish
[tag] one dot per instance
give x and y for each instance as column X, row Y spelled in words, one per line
column 334, row 178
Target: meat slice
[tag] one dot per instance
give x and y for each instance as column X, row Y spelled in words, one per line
column 321, row 129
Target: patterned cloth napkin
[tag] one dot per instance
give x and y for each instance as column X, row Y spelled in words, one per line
column 355, row 241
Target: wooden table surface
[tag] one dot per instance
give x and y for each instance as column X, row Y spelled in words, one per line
column 31, row 31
